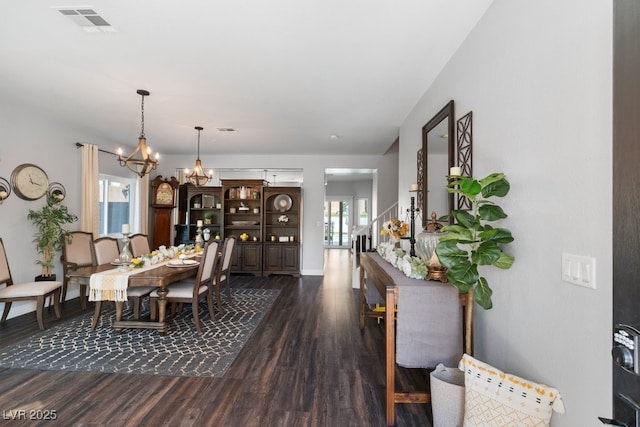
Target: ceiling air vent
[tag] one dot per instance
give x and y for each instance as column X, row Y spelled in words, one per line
column 87, row 19
column 227, row 130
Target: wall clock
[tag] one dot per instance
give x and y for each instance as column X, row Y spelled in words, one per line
column 29, row 182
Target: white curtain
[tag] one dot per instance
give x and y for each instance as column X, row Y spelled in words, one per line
column 143, row 184
column 90, row 217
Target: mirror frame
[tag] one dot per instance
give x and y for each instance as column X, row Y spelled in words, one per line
column 447, row 112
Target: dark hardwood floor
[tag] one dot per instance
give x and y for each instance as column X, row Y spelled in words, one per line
column 307, row 364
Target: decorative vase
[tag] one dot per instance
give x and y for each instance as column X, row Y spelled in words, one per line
column 243, row 192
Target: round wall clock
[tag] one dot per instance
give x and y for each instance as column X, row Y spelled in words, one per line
column 29, row 181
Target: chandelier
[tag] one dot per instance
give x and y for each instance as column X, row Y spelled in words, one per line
column 143, row 164
column 197, row 177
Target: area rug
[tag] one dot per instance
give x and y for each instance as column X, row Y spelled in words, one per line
column 180, row 352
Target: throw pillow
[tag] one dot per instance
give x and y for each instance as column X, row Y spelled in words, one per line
column 495, row 398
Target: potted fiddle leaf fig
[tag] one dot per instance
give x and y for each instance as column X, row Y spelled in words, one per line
column 50, row 235
column 471, row 241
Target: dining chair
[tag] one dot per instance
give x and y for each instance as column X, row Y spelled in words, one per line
column 38, row 291
column 139, row 244
column 223, row 271
column 190, row 291
column 77, row 252
column 107, row 250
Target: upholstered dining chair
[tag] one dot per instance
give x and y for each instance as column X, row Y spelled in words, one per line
column 77, row 252
column 38, row 291
column 107, row 250
column 139, row 244
column 190, row 291
column 223, row 271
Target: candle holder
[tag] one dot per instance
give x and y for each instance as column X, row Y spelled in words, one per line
column 125, row 253
column 199, row 236
column 412, row 222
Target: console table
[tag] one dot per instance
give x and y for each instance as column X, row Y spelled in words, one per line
column 389, row 283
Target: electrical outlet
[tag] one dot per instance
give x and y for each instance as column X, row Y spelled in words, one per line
column 579, row 270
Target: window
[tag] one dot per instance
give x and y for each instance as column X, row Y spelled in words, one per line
column 118, row 205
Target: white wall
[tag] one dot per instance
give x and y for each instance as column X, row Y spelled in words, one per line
column 537, row 76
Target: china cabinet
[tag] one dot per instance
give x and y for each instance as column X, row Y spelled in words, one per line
column 198, row 206
column 242, row 207
column 282, row 214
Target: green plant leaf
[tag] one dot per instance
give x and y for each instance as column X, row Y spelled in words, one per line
column 456, row 232
column 499, row 235
column 495, row 187
column 470, row 187
column 450, row 254
column 491, row 212
column 464, row 218
column 463, row 275
column 482, row 294
column 504, row 262
column 487, row 253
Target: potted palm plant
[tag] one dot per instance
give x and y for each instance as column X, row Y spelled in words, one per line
column 472, row 242
column 50, row 235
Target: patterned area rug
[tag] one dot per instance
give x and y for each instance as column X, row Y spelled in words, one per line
column 181, row 352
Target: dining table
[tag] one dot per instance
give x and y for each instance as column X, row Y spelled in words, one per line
column 160, row 275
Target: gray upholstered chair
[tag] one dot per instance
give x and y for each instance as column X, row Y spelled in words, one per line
column 38, row 291
column 106, row 250
column 223, row 271
column 77, row 252
column 190, row 291
column 139, row 244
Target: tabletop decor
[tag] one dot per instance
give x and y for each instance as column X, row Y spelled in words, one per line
column 472, row 242
column 412, row 266
column 395, row 229
column 50, row 235
column 283, row 219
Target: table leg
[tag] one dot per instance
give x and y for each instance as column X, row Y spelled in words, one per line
column 162, row 304
column 389, row 320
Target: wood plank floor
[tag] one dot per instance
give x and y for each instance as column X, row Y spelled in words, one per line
column 307, row 364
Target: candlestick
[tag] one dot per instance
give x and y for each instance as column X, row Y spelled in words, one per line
column 455, row 171
column 126, row 229
column 199, row 223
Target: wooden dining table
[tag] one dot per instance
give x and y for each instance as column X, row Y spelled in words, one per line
column 161, row 276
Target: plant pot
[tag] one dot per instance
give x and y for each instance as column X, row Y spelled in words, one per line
column 447, row 396
column 42, row 278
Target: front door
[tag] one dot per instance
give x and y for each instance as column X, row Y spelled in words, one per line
column 626, row 217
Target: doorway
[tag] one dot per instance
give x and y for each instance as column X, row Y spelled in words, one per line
column 337, row 222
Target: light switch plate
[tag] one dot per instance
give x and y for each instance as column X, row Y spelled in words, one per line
column 579, row 270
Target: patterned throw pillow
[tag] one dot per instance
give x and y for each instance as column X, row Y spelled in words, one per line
column 495, row 398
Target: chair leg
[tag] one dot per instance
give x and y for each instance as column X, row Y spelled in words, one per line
column 5, row 313
column 56, row 303
column 83, row 296
column 39, row 310
column 96, row 315
column 218, row 299
column 63, row 295
column 196, row 315
column 210, row 305
column 228, row 286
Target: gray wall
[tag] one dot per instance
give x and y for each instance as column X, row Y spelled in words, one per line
column 537, row 76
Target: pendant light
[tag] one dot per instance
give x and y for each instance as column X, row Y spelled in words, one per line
column 197, row 177
column 143, row 164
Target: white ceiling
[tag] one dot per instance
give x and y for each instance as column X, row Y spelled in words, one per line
column 285, row 74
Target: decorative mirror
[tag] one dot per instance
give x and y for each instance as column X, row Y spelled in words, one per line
column 438, row 149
